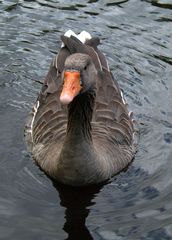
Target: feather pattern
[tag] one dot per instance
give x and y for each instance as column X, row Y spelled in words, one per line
column 93, row 138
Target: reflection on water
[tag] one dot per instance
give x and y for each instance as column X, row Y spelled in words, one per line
column 136, row 38
column 77, row 202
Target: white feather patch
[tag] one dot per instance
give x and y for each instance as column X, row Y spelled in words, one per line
column 123, row 99
column 70, row 33
column 35, row 109
column 83, row 36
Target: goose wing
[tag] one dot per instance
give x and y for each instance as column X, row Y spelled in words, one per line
column 48, row 119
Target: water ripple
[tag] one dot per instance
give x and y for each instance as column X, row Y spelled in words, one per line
column 136, row 38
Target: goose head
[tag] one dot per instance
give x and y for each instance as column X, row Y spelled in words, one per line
column 79, row 76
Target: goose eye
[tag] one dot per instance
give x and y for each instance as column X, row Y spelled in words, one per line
column 85, row 68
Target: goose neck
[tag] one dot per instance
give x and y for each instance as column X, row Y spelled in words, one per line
column 80, row 115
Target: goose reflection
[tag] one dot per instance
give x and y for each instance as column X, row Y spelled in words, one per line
column 77, row 202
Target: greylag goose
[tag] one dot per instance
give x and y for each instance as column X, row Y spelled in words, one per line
column 80, row 131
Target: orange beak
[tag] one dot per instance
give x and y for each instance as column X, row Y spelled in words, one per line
column 71, row 87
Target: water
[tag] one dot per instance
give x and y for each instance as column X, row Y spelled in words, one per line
column 136, row 37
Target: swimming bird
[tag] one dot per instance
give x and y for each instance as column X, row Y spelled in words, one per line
column 80, row 131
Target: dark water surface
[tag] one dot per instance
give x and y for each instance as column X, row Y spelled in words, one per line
column 137, row 39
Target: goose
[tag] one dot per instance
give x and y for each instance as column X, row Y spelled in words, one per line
column 80, row 131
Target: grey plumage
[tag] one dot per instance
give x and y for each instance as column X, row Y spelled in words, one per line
column 92, row 138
